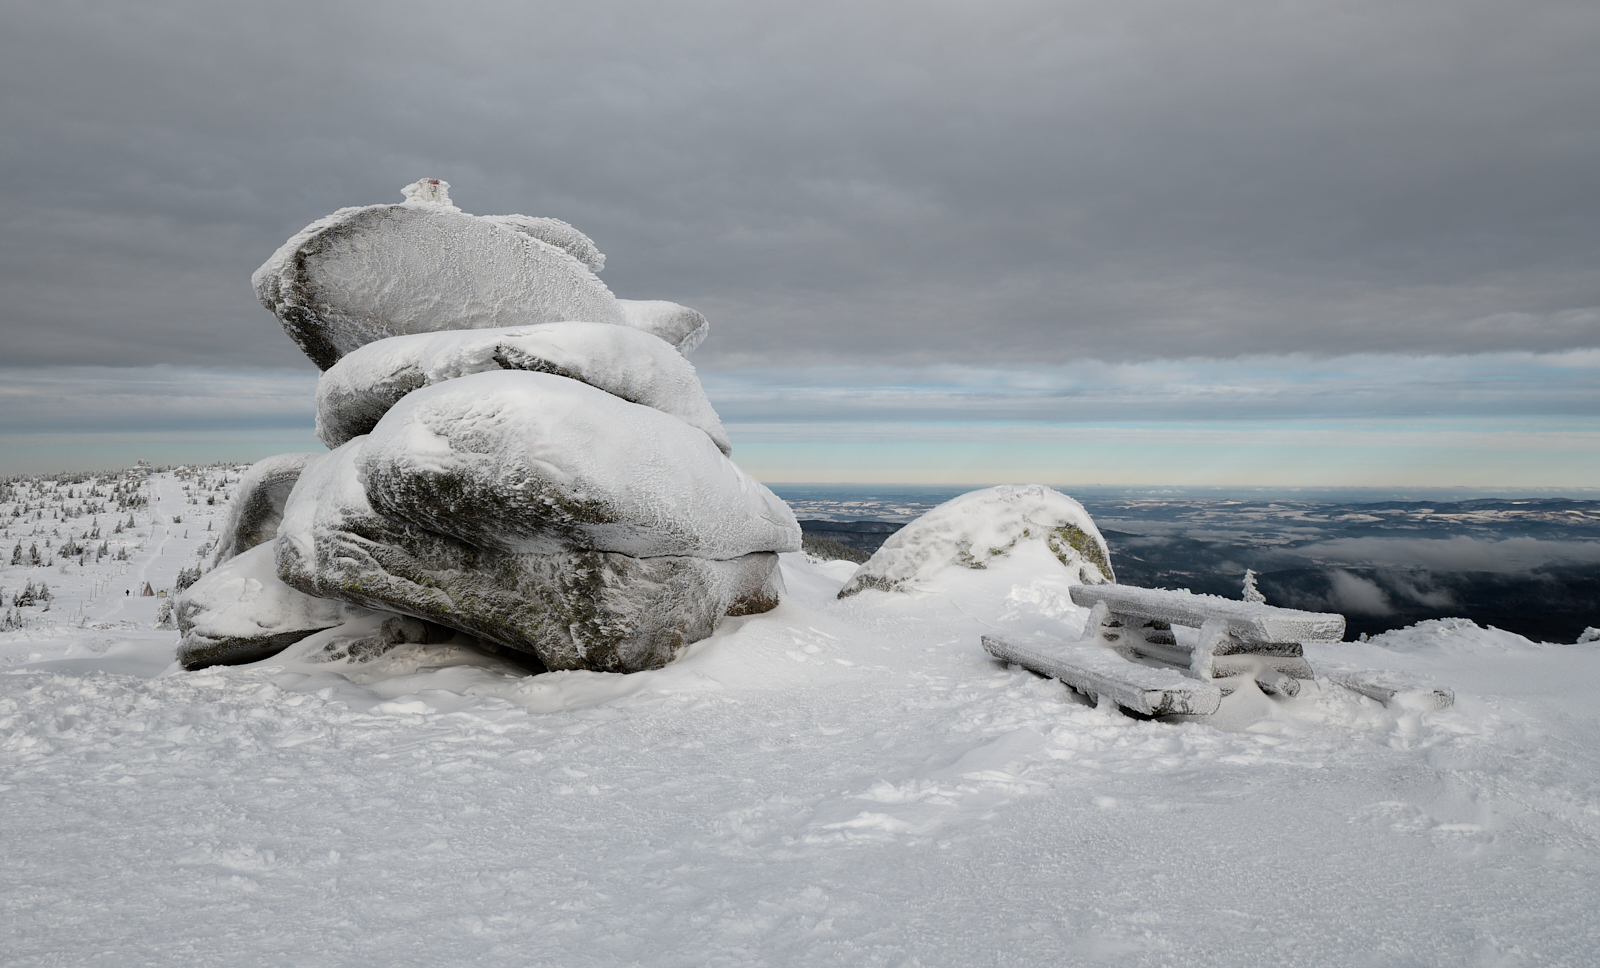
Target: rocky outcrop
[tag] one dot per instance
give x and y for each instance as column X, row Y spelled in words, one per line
column 973, row 530
column 365, row 274
column 520, row 459
column 536, row 462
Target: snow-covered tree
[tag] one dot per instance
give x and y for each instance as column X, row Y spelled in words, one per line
column 1251, row 594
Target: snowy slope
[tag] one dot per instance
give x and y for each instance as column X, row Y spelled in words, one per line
column 832, row 783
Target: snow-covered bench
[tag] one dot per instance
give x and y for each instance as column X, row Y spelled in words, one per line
column 1235, row 639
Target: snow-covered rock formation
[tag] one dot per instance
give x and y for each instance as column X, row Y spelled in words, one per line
column 423, row 265
column 976, row 528
column 518, row 457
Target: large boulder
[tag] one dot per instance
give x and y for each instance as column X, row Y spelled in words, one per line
column 572, row 608
column 258, row 504
column 355, row 393
column 364, row 274
column 979, row 527
column 240, row 612
column 534, row 462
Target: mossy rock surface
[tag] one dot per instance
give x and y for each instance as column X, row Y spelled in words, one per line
column 572, row 609
column 257, row 505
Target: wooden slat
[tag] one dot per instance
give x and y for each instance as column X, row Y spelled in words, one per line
column 1391, row 688
column 1249, row 621
column 1097, row 671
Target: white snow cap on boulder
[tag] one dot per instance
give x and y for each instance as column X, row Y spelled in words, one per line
column 533, row 462
column 972, row 530
column 355, row 393
column 423, row 265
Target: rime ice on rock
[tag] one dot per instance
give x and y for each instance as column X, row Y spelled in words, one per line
column 423, row 265
column 679, row 325
column 559, row 234
column 240, row 612
column 971, row 530
column 537, row 462
column 572, row 608
column 429, row 191
column 520, row 456
column 363, row 274
column 258, row 504
column 635, row 366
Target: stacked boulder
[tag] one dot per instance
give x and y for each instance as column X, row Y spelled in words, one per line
column 517, row 456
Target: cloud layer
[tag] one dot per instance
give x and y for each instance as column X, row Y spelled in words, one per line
column 893, row 183
column 1263, row 388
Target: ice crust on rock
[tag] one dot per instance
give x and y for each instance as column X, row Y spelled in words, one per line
column 517, row 455
column 573, row 608
column 257, row 505
column 975, row 528
column 557, row 233
column 356, row 392
column 423, row 265
column 534, row 462
column 364, row 274
column 241, row 612
column 682, row 327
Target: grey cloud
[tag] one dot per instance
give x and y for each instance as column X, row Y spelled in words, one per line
column 1346, row 593
column 155, row 399
column 896, row 182
column 1280, row 388
column 1458, row 553
column 1352, row 593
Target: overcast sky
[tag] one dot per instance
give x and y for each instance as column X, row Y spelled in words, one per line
column 888, row 202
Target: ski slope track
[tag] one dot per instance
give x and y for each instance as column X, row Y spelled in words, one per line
column 836, row 782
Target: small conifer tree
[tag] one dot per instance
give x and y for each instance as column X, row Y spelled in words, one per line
column 1251, row 594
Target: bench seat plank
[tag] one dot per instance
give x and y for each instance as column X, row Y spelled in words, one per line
column 1097, row 671
column 1249, row 621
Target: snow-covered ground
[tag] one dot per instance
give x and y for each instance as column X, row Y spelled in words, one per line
column 832, row 783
